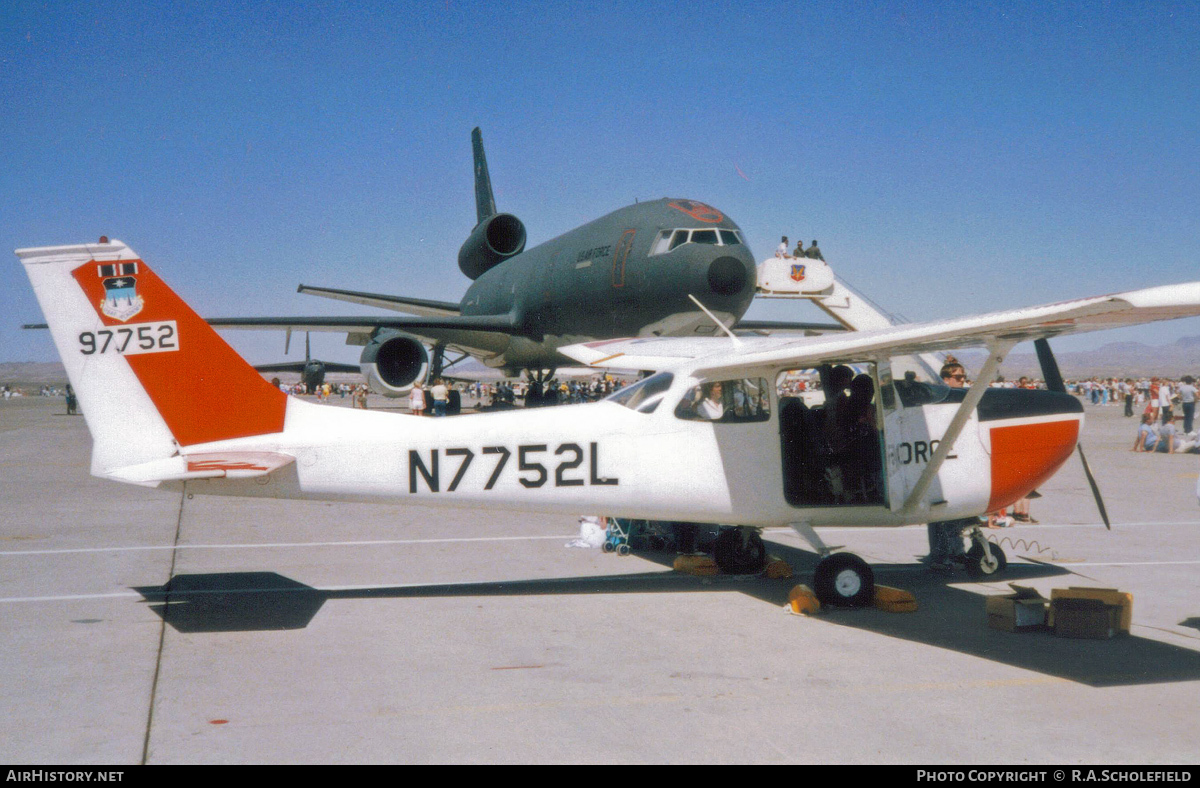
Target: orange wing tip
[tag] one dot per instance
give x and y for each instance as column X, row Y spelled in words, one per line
column 219, row 465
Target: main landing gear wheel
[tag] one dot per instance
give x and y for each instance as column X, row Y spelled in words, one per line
column 979, row 567
column 739, row 551
column 844, row 579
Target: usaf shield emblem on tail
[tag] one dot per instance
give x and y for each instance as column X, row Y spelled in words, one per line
column 121, row 299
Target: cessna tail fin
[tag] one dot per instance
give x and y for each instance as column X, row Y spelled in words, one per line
column 150, row 374
column 485, row 201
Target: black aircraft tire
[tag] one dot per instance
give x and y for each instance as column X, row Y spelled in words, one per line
column 845, row 580
column 738, row 553
column 977, row 566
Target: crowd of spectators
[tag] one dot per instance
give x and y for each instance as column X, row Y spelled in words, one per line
column 1165, row 407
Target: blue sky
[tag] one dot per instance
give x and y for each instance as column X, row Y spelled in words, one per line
column 951, row 158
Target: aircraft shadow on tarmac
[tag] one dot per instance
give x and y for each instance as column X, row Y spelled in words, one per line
column 948, row 617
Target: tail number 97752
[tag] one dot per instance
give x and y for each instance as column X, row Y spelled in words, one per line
column 159, row 337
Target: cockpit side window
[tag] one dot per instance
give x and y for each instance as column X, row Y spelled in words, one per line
column 730, row 238
column 662, row 242
column 679, row 239
column 727, row 401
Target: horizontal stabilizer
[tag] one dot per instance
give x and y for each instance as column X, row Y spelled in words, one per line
column 218, row 465
column 411, row 306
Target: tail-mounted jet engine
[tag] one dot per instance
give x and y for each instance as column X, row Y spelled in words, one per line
column 392, row 362
column 493, row 241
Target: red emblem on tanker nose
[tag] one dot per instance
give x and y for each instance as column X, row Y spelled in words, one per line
column 698, row 211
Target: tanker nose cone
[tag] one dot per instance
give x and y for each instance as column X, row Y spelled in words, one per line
column 728, row 276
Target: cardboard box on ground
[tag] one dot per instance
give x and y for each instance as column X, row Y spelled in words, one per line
column 1100, row 613
column 1075, row 612
column 1020, row 611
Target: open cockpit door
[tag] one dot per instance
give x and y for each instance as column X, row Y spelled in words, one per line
column 831, row 427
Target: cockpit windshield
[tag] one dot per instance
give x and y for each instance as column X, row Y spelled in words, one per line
column 644, row 395
column 669, row 240
column 914, row 392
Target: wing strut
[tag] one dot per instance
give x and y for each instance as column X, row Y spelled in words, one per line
column 997, row 350
column 736, row 342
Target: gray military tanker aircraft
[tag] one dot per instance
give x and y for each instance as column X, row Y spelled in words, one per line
column 632, row 273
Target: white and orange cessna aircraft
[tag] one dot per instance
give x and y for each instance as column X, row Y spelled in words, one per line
column 707, row 439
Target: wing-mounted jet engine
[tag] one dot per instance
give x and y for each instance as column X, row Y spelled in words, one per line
column 497, row 236
column 392, row 362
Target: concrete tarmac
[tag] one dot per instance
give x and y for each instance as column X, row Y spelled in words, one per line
column 142, row 628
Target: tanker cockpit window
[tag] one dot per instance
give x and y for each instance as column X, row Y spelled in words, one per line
column 669, row 240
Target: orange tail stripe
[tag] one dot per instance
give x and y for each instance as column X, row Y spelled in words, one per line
column 204, row 391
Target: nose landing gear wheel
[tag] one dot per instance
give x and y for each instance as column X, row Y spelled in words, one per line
column 979, row 567
column 739, row 551
column 844, row 579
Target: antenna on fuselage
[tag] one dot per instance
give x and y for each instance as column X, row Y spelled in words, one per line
column 485, row 201
column 737, row 342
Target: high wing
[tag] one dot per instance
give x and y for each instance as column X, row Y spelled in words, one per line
column 710, row 355
column 410, row 306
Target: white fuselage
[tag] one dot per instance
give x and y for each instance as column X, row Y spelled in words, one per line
column 599, row 458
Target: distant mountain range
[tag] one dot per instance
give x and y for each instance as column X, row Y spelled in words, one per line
column 30, row 373
column 1117, row 359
